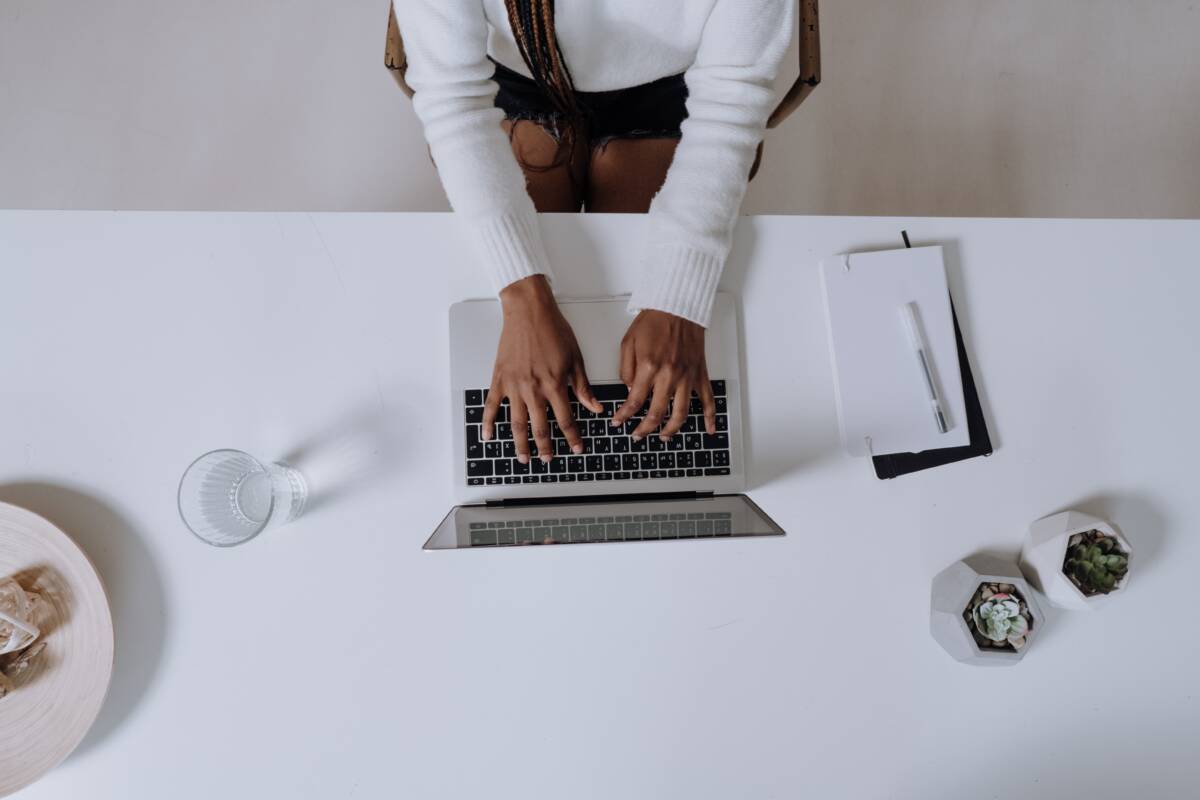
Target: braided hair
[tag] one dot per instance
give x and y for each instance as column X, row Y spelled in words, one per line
column 532, row 24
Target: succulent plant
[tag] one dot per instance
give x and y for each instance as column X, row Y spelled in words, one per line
column 999, row 616
column 1095, row 562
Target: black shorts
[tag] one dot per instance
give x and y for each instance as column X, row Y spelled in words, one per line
column 651, row 110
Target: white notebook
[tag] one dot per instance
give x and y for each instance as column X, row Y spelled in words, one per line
column 883, row 403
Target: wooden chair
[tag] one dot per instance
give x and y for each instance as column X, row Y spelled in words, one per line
column 806, row 81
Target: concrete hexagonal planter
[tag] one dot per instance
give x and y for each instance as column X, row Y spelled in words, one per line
column 1045, row 550
column 954, row 588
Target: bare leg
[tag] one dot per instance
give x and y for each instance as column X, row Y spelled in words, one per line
column 552, row 188
column 625, row 174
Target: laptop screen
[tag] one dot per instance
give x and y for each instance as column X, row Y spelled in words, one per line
column 602, row 520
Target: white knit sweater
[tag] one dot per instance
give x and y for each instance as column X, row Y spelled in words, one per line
column 729, row 51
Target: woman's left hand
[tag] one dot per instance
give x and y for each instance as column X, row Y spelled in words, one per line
column 662, row 357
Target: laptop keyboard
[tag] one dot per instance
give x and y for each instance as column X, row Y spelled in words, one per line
column 609, row 454
column 620, row 528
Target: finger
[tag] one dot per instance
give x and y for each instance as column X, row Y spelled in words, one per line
column 708, row 404
column 583, row 389
column 540, row 425
column 520, row 427
column 491, row 407
column 658, row 408
column 637, row 398
column 562, row 413
column 683, row 393
column 628, row 370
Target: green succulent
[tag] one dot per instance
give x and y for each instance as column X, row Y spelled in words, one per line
column 1095, row 562
column 998, row 617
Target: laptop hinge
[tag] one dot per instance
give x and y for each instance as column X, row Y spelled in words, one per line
column 632, row 497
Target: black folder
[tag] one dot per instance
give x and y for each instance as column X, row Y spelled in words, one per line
column 896, row 464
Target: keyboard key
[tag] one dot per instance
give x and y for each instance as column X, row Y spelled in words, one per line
column 722, row 527
column 474, row 415
column 548, row 478
column 718, row 388
column 478, row 469
column 610, row 391
column 597, row 427
column 584, row 414
column 612, row 463
column 717, row 471
column 539, row 467
column 638, row 445
column 657, row 445
column 503, row 431
column 558, row 466
column 493, row 481
column 658, row 473
column 716, row 441
column 518, row 468
column 621, row 476
column 474, row 481
column 648, row 461
column 594, row 463
column 639, row 476
column 568, row 478
column 474, row 450
column 503, row 466
column 513, row 479
column 703, row 458
column 666, row 460
column 721, row 405
column 695, row 406
column 575, row 464
column 493, row 450
column 474, row 397
column 721, row 458
column 693, row 441
column 690, row 425
column 683, row 460
column 561, row 447
column 722, row 422
column 620, row 444
column 529, row 479
column 695, row 473
column 675, row 444
column 674, row 473
column 602, row 445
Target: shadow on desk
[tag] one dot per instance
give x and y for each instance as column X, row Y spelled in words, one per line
column 131, row 579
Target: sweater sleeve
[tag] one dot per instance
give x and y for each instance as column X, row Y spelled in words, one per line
column 445, row 42
column 730, row 96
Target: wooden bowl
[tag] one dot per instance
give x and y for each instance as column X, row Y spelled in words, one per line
column 57, row 698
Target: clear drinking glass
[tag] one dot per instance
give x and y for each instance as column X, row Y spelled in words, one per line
column 228, row 497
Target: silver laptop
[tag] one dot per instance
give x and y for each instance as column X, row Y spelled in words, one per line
column 618, row 489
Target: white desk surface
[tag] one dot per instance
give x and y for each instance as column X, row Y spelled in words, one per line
column 335, row 659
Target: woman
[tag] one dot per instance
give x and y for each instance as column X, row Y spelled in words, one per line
column 608, row 105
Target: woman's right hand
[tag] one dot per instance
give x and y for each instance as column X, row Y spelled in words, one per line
column 536, row 360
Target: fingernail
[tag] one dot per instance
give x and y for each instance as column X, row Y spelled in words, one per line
column 636, row 437
column 487, row 435
column 577, row 449
column 545, row 459
column 664, row 438
column 612, row 423
column 524, row 459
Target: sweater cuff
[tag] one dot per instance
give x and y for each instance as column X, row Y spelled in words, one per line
column 511, row 246
column 679, row 281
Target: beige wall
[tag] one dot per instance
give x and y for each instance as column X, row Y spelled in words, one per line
column 977, row 107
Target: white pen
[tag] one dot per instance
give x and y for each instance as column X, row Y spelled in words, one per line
column 908, row 316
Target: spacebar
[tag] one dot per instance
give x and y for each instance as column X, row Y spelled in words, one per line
column 610, row 391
